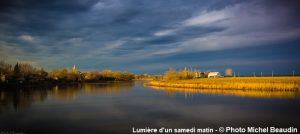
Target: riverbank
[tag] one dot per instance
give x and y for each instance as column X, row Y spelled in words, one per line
column 237, row 83
column 278, row 94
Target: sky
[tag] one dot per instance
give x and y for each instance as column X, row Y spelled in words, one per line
column 150, row 36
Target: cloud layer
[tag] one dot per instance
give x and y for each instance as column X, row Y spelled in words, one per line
column 135, row 35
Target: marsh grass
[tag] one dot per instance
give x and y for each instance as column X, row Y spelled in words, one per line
column 236, row 83
column 279, row 94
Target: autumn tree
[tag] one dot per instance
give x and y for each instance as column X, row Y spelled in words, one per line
column 91, row 76
column 28, row 71
column 5, row 71
column 228, row 72
column 65, row 75
column 171, row 74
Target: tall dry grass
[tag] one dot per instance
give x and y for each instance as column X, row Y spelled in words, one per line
column 278, row 94
column 237, row 83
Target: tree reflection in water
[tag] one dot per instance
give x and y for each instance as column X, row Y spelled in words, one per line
column 15, row 98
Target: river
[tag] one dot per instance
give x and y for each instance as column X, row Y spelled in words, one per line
column 119, row 106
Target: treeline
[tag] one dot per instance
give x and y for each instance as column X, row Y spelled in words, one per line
column 148, row 77
column 89, row 76
column 107, row 75
column 21, row 72
column 24, row 72
column 173, row 74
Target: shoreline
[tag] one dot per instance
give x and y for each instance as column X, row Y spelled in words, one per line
column 240, row 83
column 277, row 94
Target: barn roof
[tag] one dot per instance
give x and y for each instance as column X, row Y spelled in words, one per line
column 214, row 73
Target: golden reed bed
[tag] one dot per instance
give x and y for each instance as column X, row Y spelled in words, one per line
column 237, row 83
column 189, row 92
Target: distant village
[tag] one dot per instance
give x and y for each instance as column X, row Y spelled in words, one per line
column 186, row 73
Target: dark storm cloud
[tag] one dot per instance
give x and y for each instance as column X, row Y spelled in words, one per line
column 47, row 5
column 119, row 33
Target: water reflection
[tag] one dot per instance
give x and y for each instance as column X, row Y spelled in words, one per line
column 188, row 92
column 22, row 97
column 108, row 88
column 15, row 100
column 117, row 107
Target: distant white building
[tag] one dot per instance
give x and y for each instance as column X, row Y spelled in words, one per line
column 74, row 68
column 214, row 75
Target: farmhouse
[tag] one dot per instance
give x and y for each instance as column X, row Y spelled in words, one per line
column 214, row 75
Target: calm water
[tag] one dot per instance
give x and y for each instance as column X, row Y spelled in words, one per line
column 117, row 107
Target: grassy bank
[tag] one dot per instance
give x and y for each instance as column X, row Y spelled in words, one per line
column 277, row 94
column 238, row 83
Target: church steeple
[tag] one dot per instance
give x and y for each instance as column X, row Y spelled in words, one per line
column 74, row 68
